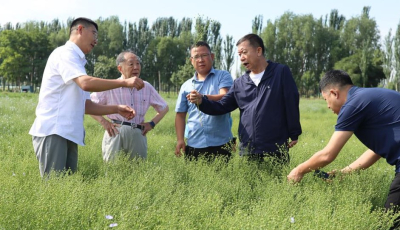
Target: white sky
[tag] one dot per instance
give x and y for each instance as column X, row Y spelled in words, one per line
column 235, row 16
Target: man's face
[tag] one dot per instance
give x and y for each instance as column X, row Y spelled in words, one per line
column 332, row 100
column 130, row 67
column 89, row 37
column 249, row 55
column 201, row 59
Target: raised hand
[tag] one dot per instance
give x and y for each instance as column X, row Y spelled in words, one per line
column 194, row 97
column 135, row 82
column 126, row 111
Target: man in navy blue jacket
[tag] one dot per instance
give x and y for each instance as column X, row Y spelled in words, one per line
column 268, row 100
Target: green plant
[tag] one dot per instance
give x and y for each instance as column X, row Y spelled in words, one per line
column 166, row 192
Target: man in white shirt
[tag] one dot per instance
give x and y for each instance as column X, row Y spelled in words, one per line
column 63, row 100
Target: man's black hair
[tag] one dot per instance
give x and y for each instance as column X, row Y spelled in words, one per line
column 201, row 43
column 337, row 78
column 254, row 40
column 83, row 21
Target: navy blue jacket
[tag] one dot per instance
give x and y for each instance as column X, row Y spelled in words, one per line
column 269, row 112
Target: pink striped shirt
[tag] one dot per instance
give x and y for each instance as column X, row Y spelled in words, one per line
column 140, row 101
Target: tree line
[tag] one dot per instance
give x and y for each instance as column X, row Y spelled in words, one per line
column 309, row 46
column 312, row 46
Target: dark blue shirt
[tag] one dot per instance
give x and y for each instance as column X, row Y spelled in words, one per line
column 269, row 112
column 373, row 114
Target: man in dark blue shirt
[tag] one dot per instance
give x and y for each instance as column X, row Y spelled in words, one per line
column 373, row 115
column 268, row 100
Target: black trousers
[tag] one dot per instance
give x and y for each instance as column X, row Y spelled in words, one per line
column 209, row 153
column 393, row 199
column 277, row 157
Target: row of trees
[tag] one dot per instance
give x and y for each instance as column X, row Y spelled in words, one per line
column 163, row 47
column 309, row 46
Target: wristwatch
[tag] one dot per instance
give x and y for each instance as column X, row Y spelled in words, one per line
column 152, row 124
column 205, row 96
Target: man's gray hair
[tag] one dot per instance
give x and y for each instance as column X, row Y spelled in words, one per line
column 121, row 56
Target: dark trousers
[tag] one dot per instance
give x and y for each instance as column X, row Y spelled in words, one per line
column 393, row 199
column 209, row 153
column 278, row 157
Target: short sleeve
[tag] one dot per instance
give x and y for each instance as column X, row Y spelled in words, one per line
column 349, row 119
column 226, row 80
column 70, row 66
column 182, row 102
column 99, row 98
column 156, row 101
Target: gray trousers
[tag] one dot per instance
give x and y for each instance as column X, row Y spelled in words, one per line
column 55, row 153
column 129, row 141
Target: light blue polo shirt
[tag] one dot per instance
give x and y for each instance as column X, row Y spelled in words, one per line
column 205, row 130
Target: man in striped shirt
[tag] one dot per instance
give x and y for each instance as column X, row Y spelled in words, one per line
column 124, row 135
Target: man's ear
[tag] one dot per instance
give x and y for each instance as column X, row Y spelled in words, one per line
column 334, row 92
column 259, row 51
column 119, row 67
column 192, row 61
column 80, row 28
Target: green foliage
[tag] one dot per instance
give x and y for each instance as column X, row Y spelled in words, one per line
column 165, row 192
column 349, row 64
column 257, row 24
column 163, row 59
column 13, row 52
column 388, row 56
column 138, row 37
column 185, row 72
column 202, row 29
column 229, row 45
column 59, row 38
column 216, row 44
column 165, row 27
column 309, row 83
column 110, row 37
column 374, row 72
column 309, row 46
column 396, row 66
column 106, row 68
column 21, row 61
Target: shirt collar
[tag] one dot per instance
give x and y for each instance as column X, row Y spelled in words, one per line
column 212, row 71
column 76, row 49
column 352, row 90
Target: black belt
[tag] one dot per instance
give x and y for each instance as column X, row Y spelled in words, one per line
column 133, row 125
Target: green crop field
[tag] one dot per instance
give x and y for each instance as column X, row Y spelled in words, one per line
column 166, row 192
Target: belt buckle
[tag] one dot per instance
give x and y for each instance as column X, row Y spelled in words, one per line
column 133, row 125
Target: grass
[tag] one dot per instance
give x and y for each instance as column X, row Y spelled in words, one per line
column 166, row 192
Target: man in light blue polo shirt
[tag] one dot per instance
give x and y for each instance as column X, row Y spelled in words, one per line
column 207, row 136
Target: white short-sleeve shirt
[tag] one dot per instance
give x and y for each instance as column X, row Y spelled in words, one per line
column 61, row 106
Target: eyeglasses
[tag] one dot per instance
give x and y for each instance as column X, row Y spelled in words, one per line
column 201, row 56
column 95, row 33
